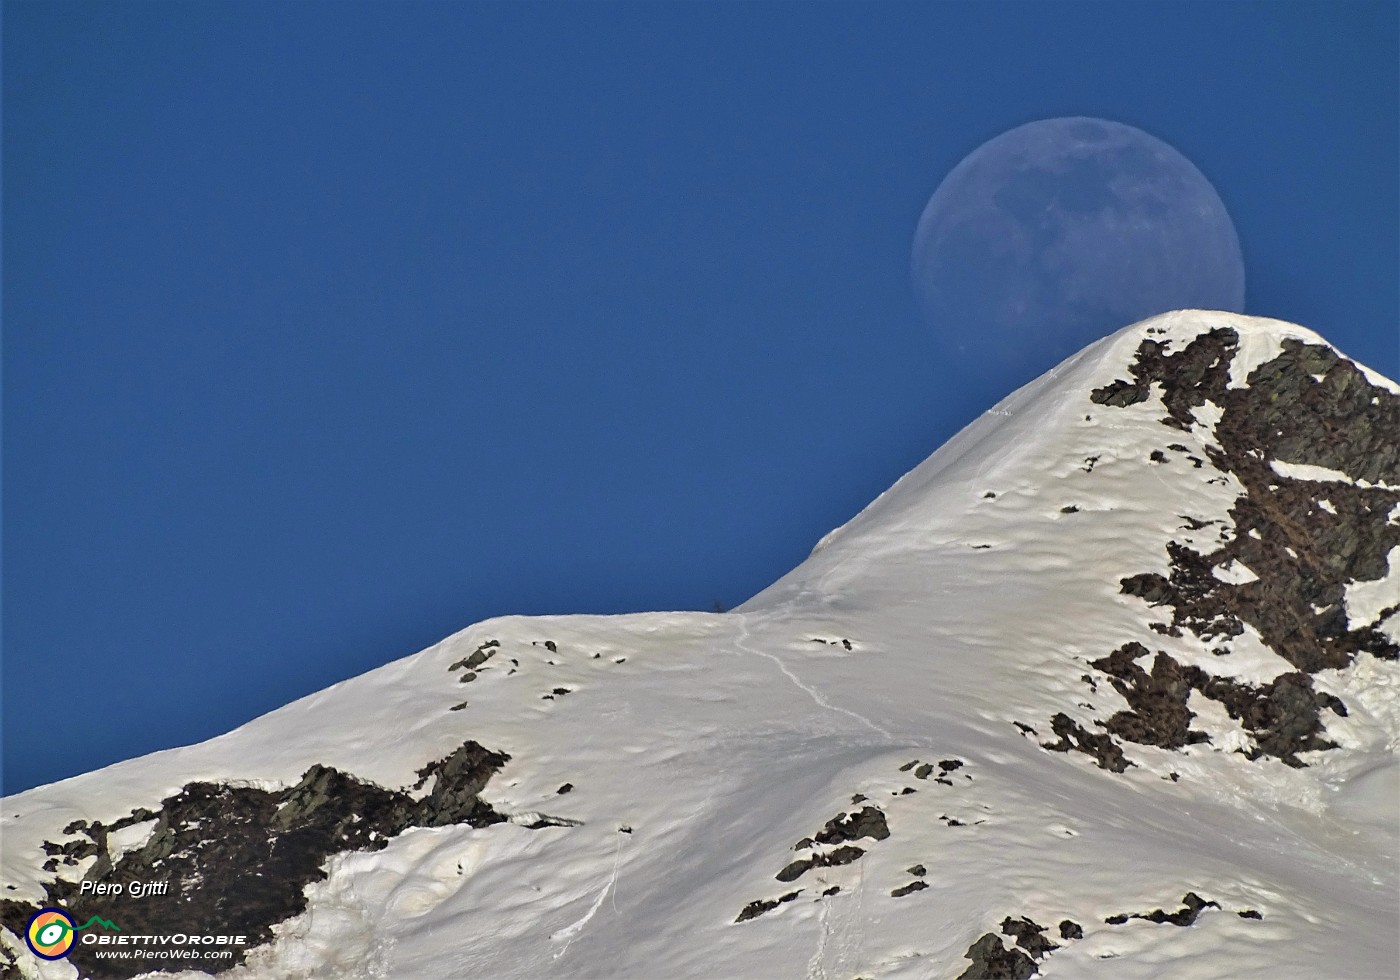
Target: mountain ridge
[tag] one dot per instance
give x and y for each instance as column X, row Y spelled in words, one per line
column 1091, row 624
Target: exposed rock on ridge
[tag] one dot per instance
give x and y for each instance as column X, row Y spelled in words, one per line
column 239, row 858
column 1303, row 545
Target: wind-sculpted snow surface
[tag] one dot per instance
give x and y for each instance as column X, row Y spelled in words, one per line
column 1106, row 687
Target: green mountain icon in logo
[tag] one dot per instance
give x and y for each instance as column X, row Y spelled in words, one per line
column 104, row 923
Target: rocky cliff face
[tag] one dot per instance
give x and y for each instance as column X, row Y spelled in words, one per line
column 242, row 856
column 1287, row 552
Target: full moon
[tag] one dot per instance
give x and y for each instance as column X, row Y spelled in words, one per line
column 1058, row 232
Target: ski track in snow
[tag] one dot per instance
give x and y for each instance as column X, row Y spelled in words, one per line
column 816, row 966
column 850, row 935
column 743, row 644
column 570, row 933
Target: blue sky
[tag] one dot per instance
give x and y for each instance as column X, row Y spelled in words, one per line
column 332, row 328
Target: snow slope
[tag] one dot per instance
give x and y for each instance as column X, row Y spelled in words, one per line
column 965, row 622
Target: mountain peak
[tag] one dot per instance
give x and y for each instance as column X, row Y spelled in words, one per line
column 1183, row 369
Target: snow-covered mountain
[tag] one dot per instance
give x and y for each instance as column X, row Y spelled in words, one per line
column 1105, row 688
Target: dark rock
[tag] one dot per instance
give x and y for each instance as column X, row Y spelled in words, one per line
column 845, row 854
column 917, row 870
column 1073, row 736
column 1191, row 907
column 1119, row 394
column 214, row 833
column 1331, row 702
column 991, row 960
column 1306, row 406
column 913, row 886
column 1158, row 714
column 754, row 909
column 478, row 656
column 1069, row 929
column 1149, row 586
column 868, row 822
column 923, row 772
column 1283, row 715
column 1250, row 914
column 1192, row 904
column 566, row 788
column 9, row 968
column 458, row 779
column 1028, row 936
column 794, row 870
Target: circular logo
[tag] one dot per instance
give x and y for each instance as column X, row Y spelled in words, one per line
column 50, row 934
